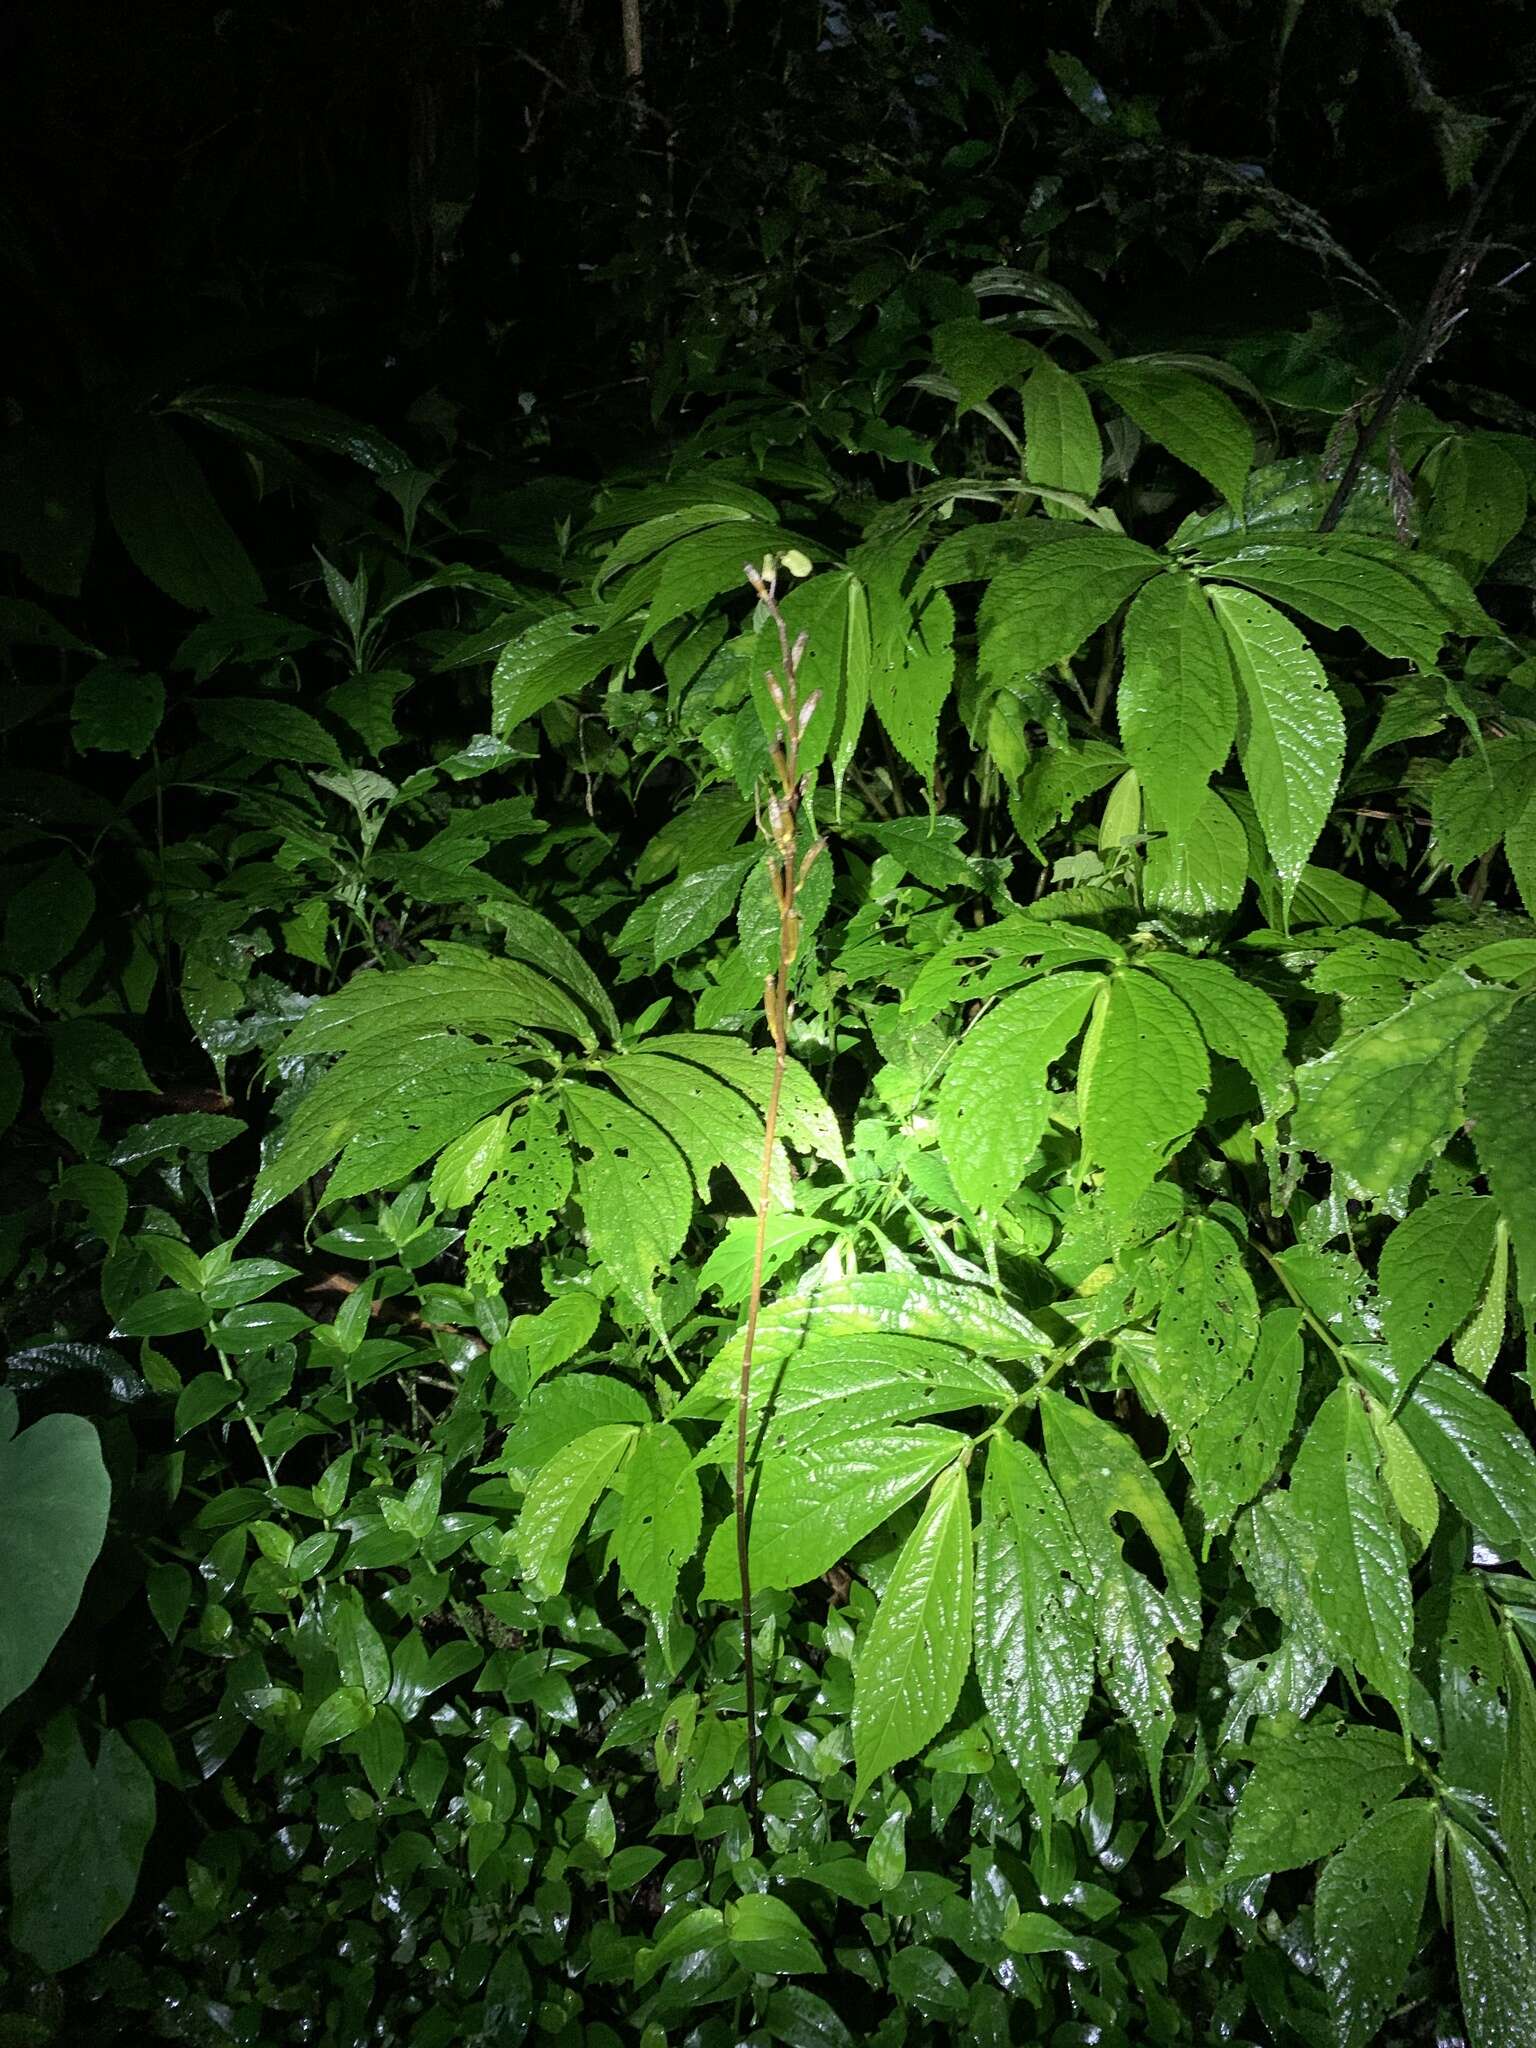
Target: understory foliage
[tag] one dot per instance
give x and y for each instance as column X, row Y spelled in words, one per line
column 1142, row 1504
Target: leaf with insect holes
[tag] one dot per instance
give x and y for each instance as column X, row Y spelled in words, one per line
column 661, row 1517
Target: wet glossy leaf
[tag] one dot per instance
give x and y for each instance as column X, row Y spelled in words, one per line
column 1494, row 1960
column 1034, row 1618
column 1370, row 1900
column 1431, row 1275
column 1388, row 1099
column 1130, row 1131
column 1309, row 1791
column 916, row 1652
column 1359, row 1573
column 662, row 1516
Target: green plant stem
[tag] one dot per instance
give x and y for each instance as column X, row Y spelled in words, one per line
column 786, row 872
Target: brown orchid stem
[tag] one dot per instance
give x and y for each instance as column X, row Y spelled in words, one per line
column 786, row 873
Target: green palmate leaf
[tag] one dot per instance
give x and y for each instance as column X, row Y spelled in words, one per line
column 1431, row 1275
column 915, row 1653
column 1494, row 1960
column 46, row 916
column 1308, row 1792
column 563, row 1410
column 1034, row 1618
column 78, row 1832
column 1237, row 1020
column 402, row 1106
column 1185, row 415
column 978, row 360
column 1478, row 504
column 1061, row 437
column 54, row 1496
column 529, row 1187
column 909, row 694
column 117, row 709
column 994, row 1103
column 1100, row 1475
column 169, row 523
column 1359, row 1572
column 1370, row 1901
column 1130, row 1131
column 1177, row 703
column 1347, row 581
column 797, row 1331
column 528, row 936
column 1290, row 729
column 1481, row 796
column 387, row 1112
column 636, row 1194
column 1501, row 1102
column 1039, row 611
column 662, row 1515
column 805, row 1120
column 465, row 991
column 690, row 911
column 864, row 1381
column 816, row 1501
column 1198, row 880
column 1207, row 1328
column 551, row 659
column 1517, row 1776
column 711, row 1124
column 1235, row 1446
column 559, row 1499
column 270, row 731
column 1477, row 1455
column 1382, row 1103
column 468, row 1163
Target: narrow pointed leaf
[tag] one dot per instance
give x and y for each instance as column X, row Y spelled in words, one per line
column 994, row 1103
column 1290, row 730
column 1177, row 703
column 1034, row 1618
column 917, row 1650
column 1131, row 1131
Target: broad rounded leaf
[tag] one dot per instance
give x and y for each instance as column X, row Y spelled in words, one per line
column 78, row 1832
column 54, row 1497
